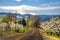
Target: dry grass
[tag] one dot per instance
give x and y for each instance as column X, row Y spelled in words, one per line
column 48, row 37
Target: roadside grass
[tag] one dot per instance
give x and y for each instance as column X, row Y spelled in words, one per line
column 8, row 33
column 48, row 36
column 14, row 32
column 54, row 35
column 24, row 29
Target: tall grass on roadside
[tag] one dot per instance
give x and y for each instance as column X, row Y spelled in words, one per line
column 24, row 29
column 54, row 35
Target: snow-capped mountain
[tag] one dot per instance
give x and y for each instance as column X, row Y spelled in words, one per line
column 19, row 9
column 26, row 9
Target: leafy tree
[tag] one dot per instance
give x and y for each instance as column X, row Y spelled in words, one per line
column 8, row 18
column 19, row 22
column 22, row 21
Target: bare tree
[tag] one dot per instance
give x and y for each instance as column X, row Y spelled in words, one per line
column 34, row 21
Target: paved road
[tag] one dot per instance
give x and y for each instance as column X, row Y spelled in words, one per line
column 34, row 35
column 9, row 38
column 30, row 35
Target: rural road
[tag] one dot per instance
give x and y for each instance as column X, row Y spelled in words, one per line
column 34, row 35
column 30, row 35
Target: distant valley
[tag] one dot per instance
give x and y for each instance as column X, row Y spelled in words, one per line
column 19, row 16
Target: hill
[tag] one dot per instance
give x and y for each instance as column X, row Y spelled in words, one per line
column 19, row 16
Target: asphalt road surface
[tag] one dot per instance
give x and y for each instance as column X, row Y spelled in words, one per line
column 34, row 35
column 30, row 35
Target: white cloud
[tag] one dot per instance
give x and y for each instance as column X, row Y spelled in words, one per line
column 55, row 3
column 25, row 7
column 18, row 0
column 34, row 13
column 50, row 4
column 44, row 5
column 22, row 9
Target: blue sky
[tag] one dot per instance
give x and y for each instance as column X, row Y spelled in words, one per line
column 29, row 2
column 32, row 3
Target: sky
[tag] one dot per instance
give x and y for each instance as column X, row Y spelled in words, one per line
column 34, row 7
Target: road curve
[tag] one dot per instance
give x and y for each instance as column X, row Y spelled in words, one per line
column 29, row 35
column 15, row 36
column 34, row 35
